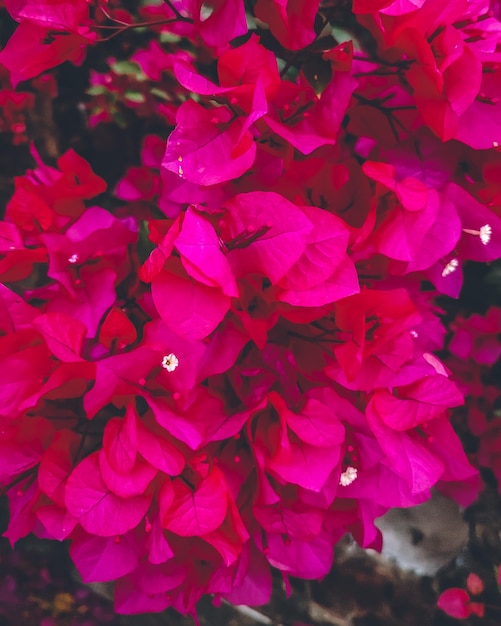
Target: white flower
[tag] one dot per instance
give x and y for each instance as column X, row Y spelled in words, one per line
column 170, row 362
column 485, row 234
column 348, row 476
column 451, row 266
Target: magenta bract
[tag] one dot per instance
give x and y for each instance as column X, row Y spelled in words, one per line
column 223, row 357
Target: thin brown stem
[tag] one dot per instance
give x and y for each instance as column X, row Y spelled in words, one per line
column 123, row 29
column 107, row 14
column 176, row 12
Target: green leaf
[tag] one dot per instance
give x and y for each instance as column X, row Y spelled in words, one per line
column 318, row 73
column 166, row 37
column 159, row 93
column 135, row 96
column 97, row 90
column 145, row 245
column 128, row 68
column 119, row 118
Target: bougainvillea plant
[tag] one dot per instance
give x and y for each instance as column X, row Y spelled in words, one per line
column 232, row 363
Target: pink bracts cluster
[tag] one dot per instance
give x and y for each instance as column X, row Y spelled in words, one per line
column 474, row 350
column 458, row 602
column 196, row 395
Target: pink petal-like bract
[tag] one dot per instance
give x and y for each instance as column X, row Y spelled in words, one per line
column 98, row 510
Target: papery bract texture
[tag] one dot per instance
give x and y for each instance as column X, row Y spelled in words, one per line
column 219, row 339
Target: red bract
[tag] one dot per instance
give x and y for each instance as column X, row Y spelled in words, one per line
column 26, row 360
column 477, row 338
column 157, row 448
column 33, row 49
column 85, row 245
column 288, row 448
column 456, row 603
column 291, row 22
column 216, row 22
column 117, row 329
column 208, row 146
column 49, row 199
column 420, row 229
column 199, row 308
column 438, row 52
column 388, row 7
column 15, row 313
column 226, row 21
column 63, row 335
column 312, row 121
column 475, row 350
column 243, row 67
column 370, row 323
column 194, row 509
column 58, row 14
column 475, row 584
column 98, row 510
column 120, row 442
column 258, row 242
column 49, row 33
column 104, row 558
column 201, row 254
column 14, row 108
column 484, row 108
column 416, row 403
column 241, row 72
column 312, row 559
column 22, row 446
column 139, row 183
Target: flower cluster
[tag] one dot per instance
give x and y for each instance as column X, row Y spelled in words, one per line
column 474, row 349
column 234, row 365
column 457, row 602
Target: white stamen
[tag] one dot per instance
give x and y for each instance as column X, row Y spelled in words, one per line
column 170, row 362
column 348, row 476
column 74, row 258
column 485, row 234
column 413, row 334
column 451, row 266
column 180, row 172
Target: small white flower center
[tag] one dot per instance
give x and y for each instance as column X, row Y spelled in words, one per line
column 451, row 266
column 74, row 258
column 348, row 476
column 180, row 171
column 485, row 233
column 170, row 362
